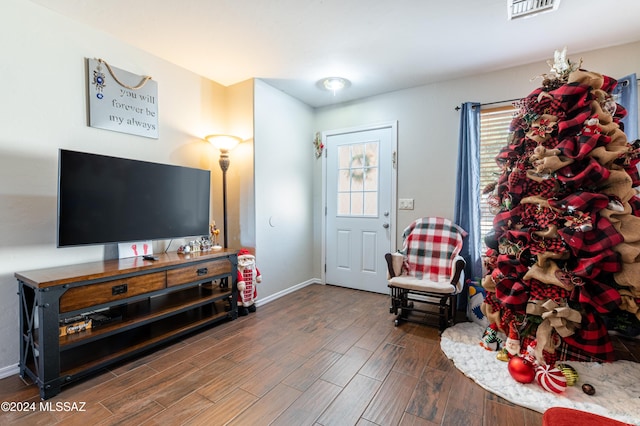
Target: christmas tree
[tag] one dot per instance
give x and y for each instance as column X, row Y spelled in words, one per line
column 564, row 254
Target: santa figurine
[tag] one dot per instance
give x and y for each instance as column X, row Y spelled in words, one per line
column 512, row 344
column 248, row 277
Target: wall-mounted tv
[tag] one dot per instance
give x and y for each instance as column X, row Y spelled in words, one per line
column 103, row 200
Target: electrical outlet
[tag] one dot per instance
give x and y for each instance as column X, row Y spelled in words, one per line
column 405, row 204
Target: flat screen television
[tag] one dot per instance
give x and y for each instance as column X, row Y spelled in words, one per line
column 103, row 200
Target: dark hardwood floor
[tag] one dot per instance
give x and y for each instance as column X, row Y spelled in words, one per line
column 322, row 355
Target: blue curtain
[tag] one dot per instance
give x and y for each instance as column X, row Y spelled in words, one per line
column 626, row 94
column 467, row 202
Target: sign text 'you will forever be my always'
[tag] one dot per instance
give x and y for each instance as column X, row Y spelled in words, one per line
column 122, row 101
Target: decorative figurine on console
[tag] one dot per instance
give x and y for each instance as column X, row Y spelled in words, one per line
column 214, row 231
column 248, row 277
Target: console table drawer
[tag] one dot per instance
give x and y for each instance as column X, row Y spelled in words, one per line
column 198, row 271
column 97, row 294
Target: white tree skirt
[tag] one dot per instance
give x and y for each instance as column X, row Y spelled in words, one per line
column 617, row 384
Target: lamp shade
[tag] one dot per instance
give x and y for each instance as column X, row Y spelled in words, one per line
column 224, row 143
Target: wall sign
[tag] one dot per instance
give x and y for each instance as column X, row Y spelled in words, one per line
column 122, row 101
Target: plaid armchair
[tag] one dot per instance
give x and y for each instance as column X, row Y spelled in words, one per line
column 428, row 274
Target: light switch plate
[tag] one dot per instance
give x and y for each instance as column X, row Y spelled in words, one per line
column 405, row 204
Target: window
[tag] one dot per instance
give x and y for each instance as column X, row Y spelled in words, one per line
column 358, row 179
column 494, row 134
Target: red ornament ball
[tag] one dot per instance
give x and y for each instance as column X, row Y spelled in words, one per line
column 521, row 370
column 551, row 379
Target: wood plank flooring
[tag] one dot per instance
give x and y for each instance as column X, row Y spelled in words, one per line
column 322, row 355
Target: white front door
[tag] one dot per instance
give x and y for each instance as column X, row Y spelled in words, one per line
column 360, row 206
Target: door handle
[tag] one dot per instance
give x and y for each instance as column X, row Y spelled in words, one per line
column 385, row 225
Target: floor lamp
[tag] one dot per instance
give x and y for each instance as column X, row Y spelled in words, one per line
column 224, row 143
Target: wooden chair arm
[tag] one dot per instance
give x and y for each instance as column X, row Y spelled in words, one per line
column 460, row 264
column 388, row 258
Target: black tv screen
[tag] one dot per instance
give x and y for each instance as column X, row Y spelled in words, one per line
column 104, row 199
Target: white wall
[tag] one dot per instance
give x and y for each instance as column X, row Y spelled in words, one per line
column 428, row 126
column 43, row 108
column 283, row 190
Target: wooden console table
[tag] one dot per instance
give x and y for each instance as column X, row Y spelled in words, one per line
column 133, row 305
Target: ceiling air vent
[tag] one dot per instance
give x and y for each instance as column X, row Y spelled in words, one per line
column 524, row 8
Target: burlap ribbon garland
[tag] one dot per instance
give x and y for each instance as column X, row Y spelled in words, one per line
column 562, row 319
column 629, row 303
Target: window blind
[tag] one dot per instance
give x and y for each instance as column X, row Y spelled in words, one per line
column 494, row 134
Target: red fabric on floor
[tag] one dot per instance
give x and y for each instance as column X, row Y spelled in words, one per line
column 559, row 416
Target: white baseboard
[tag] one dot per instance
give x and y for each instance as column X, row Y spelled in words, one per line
column 279, row 294
column 9, row 370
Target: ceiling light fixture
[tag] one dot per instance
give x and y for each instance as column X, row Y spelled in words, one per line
column 334, row 84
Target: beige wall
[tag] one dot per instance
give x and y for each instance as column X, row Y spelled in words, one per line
column 43, row 108
column 241, row 204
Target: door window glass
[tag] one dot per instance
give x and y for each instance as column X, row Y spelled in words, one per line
column 358, row 179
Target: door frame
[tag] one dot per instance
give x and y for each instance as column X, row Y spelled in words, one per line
column 393, row 125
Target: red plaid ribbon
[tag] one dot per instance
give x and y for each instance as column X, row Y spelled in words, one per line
column 430, row 245
column 591, row 339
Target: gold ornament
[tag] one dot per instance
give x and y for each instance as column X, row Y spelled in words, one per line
column 503, row 355
column 569, row 372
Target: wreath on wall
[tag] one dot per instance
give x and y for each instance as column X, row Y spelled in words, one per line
column 318, row 145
